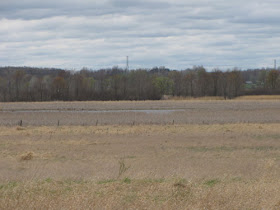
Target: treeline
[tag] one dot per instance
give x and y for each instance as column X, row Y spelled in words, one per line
column 35, row 84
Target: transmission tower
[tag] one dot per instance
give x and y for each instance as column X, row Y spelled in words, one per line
column 127, row 66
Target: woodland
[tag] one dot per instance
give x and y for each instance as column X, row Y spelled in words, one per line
column 49, row 84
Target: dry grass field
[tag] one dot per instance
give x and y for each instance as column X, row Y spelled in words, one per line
column 173, row 154
column 214, row 166
column 259, row 97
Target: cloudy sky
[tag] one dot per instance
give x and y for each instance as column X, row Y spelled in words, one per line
column 174, row 33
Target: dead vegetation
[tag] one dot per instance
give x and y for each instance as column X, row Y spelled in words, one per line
column 214, row 154
column 259, row 97
column 217, row 166
column 229, row 193
column 27, row 156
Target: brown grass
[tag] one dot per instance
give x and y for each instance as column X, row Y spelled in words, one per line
column 215, row 98
column 228, row 193
column 259, row 97
column 27, row 156
column 217, row 166
column 188, row 98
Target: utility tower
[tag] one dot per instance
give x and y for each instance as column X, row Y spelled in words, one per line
column 127, row 66
column 275, row 64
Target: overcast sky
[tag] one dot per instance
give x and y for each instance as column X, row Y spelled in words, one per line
column 173, row 33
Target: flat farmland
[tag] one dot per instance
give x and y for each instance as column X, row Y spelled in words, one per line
column 142, row 112
column 224, row 155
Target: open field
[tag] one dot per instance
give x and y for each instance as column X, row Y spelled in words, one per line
column 242, row 98
column 209, row 166
column 141, row 112
column 173, row 154
column 259, row 97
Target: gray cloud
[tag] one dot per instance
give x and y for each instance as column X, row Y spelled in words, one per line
column 174, row 33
